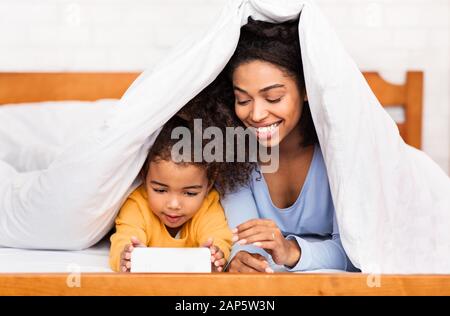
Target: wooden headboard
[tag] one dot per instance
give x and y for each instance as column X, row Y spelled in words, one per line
column 36, row 87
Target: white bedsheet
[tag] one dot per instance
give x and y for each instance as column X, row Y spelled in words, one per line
column 94, row 259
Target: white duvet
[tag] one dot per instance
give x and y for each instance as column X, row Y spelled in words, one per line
column 392, row 202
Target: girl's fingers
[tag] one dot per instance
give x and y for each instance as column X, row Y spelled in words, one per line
column 123, row 266
column 136, row 242
column 208, row 243
column 125, row 255
column 218, row 255
column 126, row 249
column 220, row 262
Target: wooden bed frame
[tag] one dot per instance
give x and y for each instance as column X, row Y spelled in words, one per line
column 34, row 87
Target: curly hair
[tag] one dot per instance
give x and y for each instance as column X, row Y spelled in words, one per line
column 274, row 43
column 226, row 176
column 279, row 45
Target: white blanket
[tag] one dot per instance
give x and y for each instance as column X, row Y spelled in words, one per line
column 392, row 202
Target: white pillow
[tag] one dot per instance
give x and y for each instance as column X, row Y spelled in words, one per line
column 32, row 134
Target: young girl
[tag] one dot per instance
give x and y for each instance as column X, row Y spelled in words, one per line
column 175, row 207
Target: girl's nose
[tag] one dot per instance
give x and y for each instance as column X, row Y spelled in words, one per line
column 173, row 203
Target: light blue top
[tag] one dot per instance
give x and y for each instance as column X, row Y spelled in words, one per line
column 310, row 220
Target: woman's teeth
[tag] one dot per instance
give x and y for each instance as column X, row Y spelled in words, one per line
column 267, row 131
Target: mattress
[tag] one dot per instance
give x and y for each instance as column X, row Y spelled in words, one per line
column 94, row 259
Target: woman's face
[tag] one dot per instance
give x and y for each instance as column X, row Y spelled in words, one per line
column 267, row 99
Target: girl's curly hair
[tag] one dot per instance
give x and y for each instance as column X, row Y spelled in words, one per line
column 226, row 176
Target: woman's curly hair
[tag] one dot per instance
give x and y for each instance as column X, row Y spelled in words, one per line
column 279, row 45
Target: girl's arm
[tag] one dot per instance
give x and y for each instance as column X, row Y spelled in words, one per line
column 212, row 225
column 129, row 222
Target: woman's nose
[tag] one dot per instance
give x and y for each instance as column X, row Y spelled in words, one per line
column 259, row 112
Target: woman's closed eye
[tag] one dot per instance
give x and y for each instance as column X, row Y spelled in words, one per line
column 244, row 102
column 159, row 190
column 191, row 193
column 274, row 100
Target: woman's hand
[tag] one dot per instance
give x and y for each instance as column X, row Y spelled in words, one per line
column 249, row 263
column 217, row 256
column 264, row 233
column 125, row 256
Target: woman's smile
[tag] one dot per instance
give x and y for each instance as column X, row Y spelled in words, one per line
column 266, row 131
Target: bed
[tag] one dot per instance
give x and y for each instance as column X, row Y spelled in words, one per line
column 40, row 272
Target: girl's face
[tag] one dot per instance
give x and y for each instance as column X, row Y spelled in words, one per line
column 175, row 192
column 267, row 99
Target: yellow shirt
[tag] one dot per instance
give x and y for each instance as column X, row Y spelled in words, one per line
column 136, row 219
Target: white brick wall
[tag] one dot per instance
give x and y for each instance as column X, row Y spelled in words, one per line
column 390, row 36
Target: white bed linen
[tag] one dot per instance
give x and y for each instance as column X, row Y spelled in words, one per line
column 93, row 259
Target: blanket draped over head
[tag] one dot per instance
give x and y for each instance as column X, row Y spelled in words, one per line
column 392, row 202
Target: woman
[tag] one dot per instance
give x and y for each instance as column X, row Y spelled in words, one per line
column 288, row 213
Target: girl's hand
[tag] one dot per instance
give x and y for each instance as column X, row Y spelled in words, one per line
column 249, row 263
column 264, row 233
column 125, row 256
column 217, row 257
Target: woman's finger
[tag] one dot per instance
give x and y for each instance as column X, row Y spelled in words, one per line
column 267, row 245
column 254, row 263
column 254, row 222
column 267, row 235
column 251, row 231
